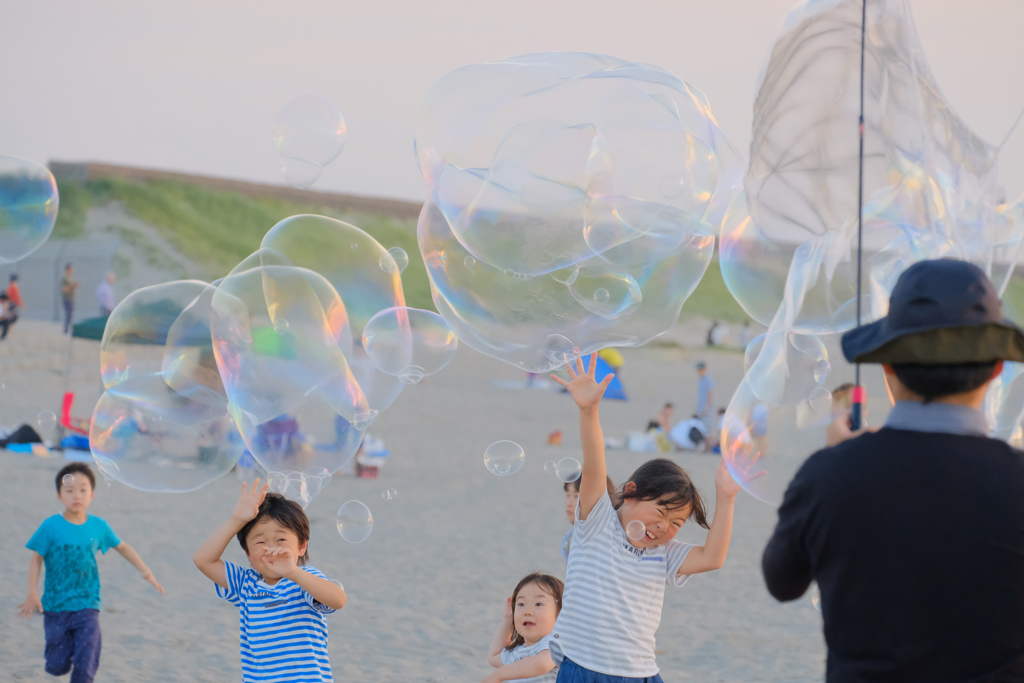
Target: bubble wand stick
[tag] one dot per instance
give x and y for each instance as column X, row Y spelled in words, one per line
column 857, row 397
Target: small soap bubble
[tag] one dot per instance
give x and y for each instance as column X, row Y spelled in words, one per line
column 300, row 173
column 354, row 245
column 389, row 494
column 469, row 261
column 601, row 296
column 395, row 261
column 281, row 326
column 821, row 370
column 549, row 466
column 636, row 530
column 568, row 469
column 354, row 521
column 820, row 400
column 509, row 273
column 504, row 457
column 815, row 597
column 68, row 480
column 47, row 421
column 310, row 128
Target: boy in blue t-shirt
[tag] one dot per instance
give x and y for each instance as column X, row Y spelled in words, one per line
column 67, row 545
column 281, row 600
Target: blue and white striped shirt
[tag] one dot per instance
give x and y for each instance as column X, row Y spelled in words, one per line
column 283, row 631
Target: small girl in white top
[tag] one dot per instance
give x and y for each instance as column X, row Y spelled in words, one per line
column 520, row 649
column 624, row 552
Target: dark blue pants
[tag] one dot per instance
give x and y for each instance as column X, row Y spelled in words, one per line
column 73, row 638
column 571, row 672
column 69, row 310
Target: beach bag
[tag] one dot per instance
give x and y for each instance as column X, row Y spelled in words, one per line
column 695, row 435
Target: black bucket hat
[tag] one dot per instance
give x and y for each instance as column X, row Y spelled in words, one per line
column 941, row 312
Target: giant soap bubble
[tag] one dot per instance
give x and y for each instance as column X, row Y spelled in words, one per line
column 293, row 396
column 162, row 424
column 28, row 207
column 789, row 243
column 574, row 199
column 349, row 259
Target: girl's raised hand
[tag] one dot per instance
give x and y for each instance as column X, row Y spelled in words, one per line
column 744, row 465
column 249, row 501
column 586, row 391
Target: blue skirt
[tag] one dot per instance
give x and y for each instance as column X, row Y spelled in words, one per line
column 571, row 672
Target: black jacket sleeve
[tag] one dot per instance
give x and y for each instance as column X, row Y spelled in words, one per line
column 786, row 562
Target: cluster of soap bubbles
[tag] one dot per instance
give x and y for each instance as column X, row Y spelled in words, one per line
column 573, row 202
column 354, row 521
column 504, row 458
column 271, row 359
column 28, row 207
column 309, row 134
column 788, row 249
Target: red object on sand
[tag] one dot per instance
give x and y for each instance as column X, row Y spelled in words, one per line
column 66, row 420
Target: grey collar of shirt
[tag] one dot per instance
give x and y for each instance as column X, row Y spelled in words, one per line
column 943, row 418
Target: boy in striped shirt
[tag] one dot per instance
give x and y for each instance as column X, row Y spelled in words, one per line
column 281, row 600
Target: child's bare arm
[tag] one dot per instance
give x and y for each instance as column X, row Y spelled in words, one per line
column 33, row 603
column 711, row 555
column 128, row 553
column 322, row 590
column 207, row 558
column 587, row 393
column 501, row 637
column 528, row 667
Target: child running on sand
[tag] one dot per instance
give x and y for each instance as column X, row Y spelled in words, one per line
column 615, row 583
column 66, row 544
column 281, row 600
column 572, row 496
column 519, row 650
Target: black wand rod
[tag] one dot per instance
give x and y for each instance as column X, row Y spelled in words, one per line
column 856, row 412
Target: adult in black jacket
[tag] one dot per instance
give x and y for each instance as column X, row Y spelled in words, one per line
column 915, row 533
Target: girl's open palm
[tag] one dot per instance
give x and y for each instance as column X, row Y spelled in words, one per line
column 249, row 501
column 582, row 386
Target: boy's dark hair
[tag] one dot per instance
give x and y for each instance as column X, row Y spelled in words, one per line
column 666, row 482
column 72, row 468
column 934, row 381
column 575, row 485
column 549, row 584
column 287, row 513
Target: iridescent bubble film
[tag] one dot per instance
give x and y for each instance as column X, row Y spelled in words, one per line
column 28, row 207
column 504, row 458
column 409, row 343
column 573, row 205
column 163, row 424
column 354, row 521
column 788, row 250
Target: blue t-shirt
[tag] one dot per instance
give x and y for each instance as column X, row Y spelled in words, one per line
column 282, row 629
column 704, row 387
column 69, row 554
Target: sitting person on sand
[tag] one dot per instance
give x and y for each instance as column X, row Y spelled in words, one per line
column 519, row 650
column 281, row 600
column 66, row 545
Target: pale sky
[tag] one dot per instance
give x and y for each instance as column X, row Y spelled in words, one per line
column 195, row 85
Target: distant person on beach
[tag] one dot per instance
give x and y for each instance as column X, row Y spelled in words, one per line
column 572, row 496
column 712, row 333
column 617, row 573
column 520, row 650
column 14, row 291
column 67, row 293
column 14, row 307
column 8, row 314
column 915, row 532
column 281, row 600
column 66, row 545
column 705, row 393
column 105, row 295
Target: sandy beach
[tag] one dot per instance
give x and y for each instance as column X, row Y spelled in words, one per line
column 428, row 587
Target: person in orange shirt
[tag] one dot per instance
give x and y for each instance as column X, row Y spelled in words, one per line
column 11, row 306
column 14, row 292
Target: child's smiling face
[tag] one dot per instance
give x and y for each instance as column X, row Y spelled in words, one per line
column 534, row 613
column 661, row 522
column 266, row 534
